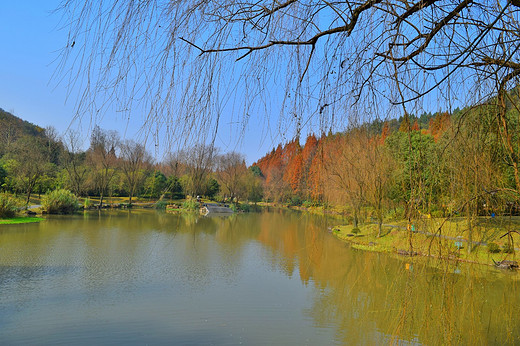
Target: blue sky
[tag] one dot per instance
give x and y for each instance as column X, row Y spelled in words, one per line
column 31, row 40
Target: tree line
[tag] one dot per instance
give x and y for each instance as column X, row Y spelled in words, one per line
column 38, row 161
column 442, row 164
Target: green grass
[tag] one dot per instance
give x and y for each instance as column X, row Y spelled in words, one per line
column 19, row 220
column 395, row 238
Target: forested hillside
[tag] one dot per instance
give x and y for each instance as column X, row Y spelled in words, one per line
column 12, row 128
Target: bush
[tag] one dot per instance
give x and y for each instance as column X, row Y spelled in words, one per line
column 493, row 248
column 307, row 204
column 437, row 213
column 237, row 207
column 160, row 205
column 508, row 248
column 60, row 202
column 295, row 201
column 8, row 206
column 395, row 214
column 190, row 204
column 87, row 204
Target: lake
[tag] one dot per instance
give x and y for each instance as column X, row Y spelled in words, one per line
column 271, row 278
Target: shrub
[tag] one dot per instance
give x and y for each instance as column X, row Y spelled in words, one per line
column 190, row 204
column 237, row 207
column 60, row 202
column 493, row 248
column 160, row 205
column 508, row 248
column 8, row 206
column 307, row 204
column 437, row 213
column 295, row 201
column 87, row 203
column 395, row 214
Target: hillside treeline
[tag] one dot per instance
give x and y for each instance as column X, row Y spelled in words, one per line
column 34, row 160
column 443, row 164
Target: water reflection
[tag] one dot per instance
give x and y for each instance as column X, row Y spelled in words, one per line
column 263, row 278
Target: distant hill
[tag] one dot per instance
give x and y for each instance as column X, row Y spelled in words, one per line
column 18, row 126
column 13, row 128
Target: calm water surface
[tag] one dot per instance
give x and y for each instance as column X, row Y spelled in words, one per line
column 272, row 278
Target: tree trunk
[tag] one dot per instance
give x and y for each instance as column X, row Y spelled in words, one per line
column 28, row 196
column 356, row 218
column 470, row 230
column 100, row 201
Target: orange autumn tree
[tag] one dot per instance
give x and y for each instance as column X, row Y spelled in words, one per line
column 273, row 168
column 385, row 132
column 293, row 170
column 439, row 124
column 308, row 154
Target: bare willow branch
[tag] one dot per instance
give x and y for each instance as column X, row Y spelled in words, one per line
column 183, row 64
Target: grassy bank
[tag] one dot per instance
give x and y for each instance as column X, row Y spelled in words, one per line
column 19, row 220
column 337, row 212
column 440, row 238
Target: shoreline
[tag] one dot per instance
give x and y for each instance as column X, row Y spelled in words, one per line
column 396, row 242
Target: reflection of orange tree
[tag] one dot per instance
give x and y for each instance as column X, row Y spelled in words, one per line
column 367, row 291
column 363, row 291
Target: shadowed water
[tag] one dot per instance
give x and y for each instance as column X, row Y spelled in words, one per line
column 142, row 277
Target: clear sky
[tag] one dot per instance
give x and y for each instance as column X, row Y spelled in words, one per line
column 31, row 40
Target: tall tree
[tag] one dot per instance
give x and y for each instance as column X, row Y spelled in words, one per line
column 199, row 162
column 102, row 158
column 28, row 164
column 346, row 164
column 73, row 159
column 134, row 162
column 231, row 170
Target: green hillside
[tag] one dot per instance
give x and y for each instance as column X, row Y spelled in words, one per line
column 12, row 128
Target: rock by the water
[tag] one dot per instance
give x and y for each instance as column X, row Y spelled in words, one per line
column 507, row 264
column 406, row 253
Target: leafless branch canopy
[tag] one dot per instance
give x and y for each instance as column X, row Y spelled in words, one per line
column 183, row 64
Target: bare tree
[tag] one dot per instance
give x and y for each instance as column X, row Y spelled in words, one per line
column 377, row 175
column 347, row 166
column 73, row 159
column 133, row 162
column 199, row 161
column 102, row 158
column 173, row 165
column 231, row 171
